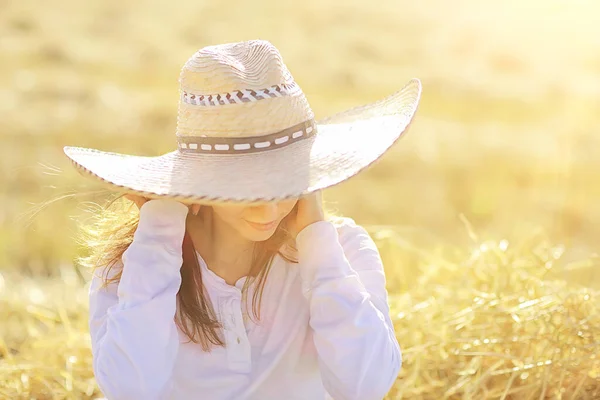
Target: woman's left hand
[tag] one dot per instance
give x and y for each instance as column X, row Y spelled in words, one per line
column 310, row 210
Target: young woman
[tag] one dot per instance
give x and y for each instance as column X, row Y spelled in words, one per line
column 231, row 283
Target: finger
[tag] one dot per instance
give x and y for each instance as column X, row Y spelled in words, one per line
column 137, row 200
column 131, row 198
column 195, row 208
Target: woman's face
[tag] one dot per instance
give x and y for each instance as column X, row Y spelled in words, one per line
column 255, row 223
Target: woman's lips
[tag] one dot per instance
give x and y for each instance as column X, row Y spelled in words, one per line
column 262, row 227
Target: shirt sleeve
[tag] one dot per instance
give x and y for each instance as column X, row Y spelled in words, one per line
column 343, row 279
column 132, row 327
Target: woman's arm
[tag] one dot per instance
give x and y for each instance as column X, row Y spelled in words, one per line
column 134, row 336
column 343, row 279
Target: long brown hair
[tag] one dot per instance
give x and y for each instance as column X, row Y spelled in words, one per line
column 110, row 232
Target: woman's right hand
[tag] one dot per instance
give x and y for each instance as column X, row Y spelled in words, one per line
column 140, row 200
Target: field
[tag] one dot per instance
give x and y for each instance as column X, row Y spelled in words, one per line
column 487, row 212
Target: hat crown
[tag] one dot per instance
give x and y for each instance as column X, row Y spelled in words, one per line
column 239, row 90
column 255, row 64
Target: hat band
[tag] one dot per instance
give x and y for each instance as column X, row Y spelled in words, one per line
column 250, row 144
column 239, row 96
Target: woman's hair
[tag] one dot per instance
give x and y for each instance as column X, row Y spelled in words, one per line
column 110, row 232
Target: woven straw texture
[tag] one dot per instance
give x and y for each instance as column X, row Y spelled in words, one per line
column 254, row 65
column 343, row 145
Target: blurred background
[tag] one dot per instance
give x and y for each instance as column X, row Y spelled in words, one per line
column 505, row 145
column 506, row 133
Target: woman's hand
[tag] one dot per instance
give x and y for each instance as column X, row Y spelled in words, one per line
column 310, row 210
column 140, row 200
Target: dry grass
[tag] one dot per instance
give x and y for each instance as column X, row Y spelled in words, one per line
column 492, row 322
column 504, row 139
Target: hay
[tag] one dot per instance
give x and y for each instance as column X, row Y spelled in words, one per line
column 496, row 325
column 490, row 324
column 44, row 339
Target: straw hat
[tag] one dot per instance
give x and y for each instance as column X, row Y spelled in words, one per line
column 246, row 133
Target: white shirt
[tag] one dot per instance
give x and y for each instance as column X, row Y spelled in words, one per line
column 324, row 330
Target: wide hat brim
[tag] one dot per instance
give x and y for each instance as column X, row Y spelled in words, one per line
column 344, row 145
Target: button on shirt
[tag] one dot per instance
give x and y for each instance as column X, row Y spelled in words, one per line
column 324, row 330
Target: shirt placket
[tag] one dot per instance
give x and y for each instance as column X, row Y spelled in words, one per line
column 236, row 339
